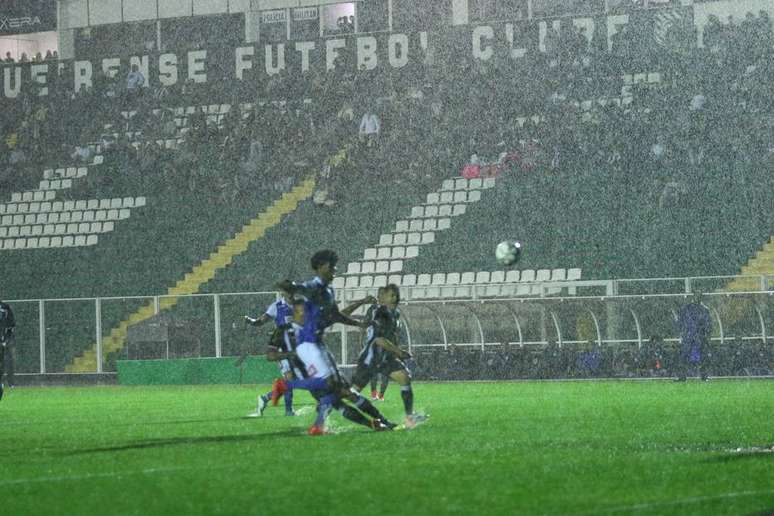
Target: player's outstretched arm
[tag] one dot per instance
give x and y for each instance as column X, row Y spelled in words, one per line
column 257, row 321
column 349, row 310
column 338, row 317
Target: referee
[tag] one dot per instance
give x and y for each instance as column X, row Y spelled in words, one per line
column 7, row 340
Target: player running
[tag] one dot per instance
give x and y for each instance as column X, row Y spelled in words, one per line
column 324, row 379
column 382, row 355
column 281, row 313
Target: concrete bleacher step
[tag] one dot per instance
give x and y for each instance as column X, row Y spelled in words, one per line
column 192, row 282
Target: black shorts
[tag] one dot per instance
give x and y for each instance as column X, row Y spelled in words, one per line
column 391, row 365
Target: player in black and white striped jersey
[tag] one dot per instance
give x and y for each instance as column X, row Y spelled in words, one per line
column 382, row 354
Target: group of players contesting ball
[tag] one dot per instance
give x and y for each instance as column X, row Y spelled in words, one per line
column 301, row 315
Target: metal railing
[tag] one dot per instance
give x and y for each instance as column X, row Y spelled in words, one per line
column 51, row 333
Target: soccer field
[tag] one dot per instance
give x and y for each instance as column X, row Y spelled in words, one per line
column 649, row 447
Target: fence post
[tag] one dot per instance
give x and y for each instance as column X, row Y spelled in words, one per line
column 42, row 332
column 216, row 306
column 98, row 326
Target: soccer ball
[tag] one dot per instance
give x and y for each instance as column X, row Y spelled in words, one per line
column 508, row 252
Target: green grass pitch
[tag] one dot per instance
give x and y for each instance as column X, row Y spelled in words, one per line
column 489, row 448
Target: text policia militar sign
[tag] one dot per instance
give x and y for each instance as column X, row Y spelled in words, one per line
column 254, row 63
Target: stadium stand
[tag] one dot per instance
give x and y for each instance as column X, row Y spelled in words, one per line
column 607, row 165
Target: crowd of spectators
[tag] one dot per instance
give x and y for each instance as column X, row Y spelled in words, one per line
column 416, row 124
column 655, row 359
column 39, row 57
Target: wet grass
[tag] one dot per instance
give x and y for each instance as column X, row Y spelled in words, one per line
column 489, row 448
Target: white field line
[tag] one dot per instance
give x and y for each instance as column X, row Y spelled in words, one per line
column 113, row 474
column 682, row 501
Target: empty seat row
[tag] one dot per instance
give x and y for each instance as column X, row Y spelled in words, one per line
column 391, row 253
column 461, row 183
column 438, row 210
column 453, row 197
column 55, row 184
column 423, row 225
column 34, row 196
column 91, row 204
column 404, row 238
column 77, row 228
column 382, row 266
column 467, row 284
column 48, row 242
column 56, row 217
column 65, row 173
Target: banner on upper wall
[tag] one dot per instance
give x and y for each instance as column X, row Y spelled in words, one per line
column 27, row 16
column 227, row 67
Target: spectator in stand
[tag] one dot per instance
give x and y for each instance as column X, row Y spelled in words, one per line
column 369, row 129
column 134, row 83
column 24, row 58
column 49, row 55
column 9, row 58
column 82, row 152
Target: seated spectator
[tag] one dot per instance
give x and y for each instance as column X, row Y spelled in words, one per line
column 9, row 58
column 134, row 82
column 369, row 128
column 82, row 153
column 49, row 55
column 24, row 58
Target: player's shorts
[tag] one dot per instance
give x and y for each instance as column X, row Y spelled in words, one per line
column 390, row 365
column 315, row 359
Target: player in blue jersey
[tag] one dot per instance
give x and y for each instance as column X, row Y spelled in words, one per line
column 695, row 326
column 382, row 354
column 321, row 312
column 280, row 312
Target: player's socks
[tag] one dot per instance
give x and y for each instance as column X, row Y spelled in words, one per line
column 374, row 394
column 366, row 406
column 408, row 398
column 373, row 386
column 1, row 391
column 355, row 416
column 383, row 387
column 323, row 409
column 288, row 401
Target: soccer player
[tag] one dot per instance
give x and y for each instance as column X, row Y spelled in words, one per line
column 281, row 313
column 324, row 379
column 382, row 355
column 695, row 326
column 7, row 327
column 385, row 380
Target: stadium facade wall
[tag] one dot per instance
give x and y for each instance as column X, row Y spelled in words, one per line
column 195, row 371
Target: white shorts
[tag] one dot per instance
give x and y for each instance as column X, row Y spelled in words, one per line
column 315, row 360
column 284, row 366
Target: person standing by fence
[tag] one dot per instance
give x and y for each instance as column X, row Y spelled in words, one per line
column 695, row 326
column 7, row 327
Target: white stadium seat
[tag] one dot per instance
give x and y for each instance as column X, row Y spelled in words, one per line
column 369, row 254
column 400, row 239
column 353, row 268
column 385, row 239
column 401, row 226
